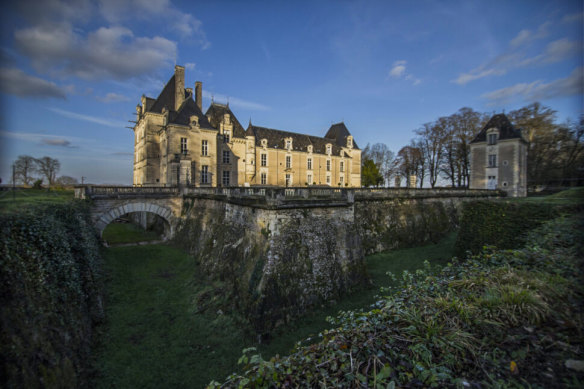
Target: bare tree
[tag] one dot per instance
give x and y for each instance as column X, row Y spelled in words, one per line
column 67, row 181
column 408, row 161
column 49, row 168
column 431, row 142
column 25, row 167
column 383, row 158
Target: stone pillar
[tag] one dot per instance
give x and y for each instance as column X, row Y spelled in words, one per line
column 412, row 181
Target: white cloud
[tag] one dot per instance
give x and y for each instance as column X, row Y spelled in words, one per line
column 112, row 98
column 185, row 24
column 87, row 118
column 516, row 56
column 539, row 90
column 398, row 70
column 105, row 53
column 16, row 82
column 235, row 102
column 575, row 17
column 56, row 142
column 190, row 65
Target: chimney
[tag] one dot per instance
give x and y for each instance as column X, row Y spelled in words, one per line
column 199, row 94
column 179, row 86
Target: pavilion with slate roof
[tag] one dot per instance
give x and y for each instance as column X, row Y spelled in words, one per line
column 498, row 158
column 176, row 144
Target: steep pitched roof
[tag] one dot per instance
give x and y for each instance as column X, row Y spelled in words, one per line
column 339, row 133
column 165, row 98
column 502, row 123
column 215, row 114
column 300, row 142
column 187, row 109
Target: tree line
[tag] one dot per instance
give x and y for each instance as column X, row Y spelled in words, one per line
column 440, row 152
column 31, row 171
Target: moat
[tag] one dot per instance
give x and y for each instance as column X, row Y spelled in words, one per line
column 167, row 324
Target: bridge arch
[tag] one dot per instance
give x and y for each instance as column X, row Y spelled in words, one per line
column 105, row 218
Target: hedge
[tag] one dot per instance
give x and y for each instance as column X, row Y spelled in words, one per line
column 50, row 272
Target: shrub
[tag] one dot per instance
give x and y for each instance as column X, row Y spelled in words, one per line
column 51, row 295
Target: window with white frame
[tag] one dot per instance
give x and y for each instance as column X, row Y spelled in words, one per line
column 309, row 164
column 204, row 148
column 288, row 179
column 288, row 162
column 492, row 160
column 288, row 144
column 328, row 180
column 492, row 139
column 328, row 165
column 183, row 146
column 342, row 180
column 263, row 178
column 309, row 179
column 225, row 178
column 263, row 159
column 328, row 149
column 204, row 174
column 310, row 149
column 226, row 156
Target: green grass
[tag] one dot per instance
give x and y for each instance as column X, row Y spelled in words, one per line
column 13, row 201
column 573, row 196
column 154, row 336
column 118, row 233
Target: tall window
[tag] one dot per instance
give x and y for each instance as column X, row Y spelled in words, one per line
column 309, row 179
column 493, row 160
column 288, row 162
column 204, row 148
column 226, row 136
column 183, row 146
column 288, row 180
column 328, row 180
column 225, row 156
column 204, row 174
column 492, row 139
column 264, row 179
column 328, row 165
column 263, row 159
column 309, row 164
column 342, row 180
column 342, row 166
column 225, row 180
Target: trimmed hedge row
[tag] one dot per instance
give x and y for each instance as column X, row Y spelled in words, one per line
column 501, row 223
column 50, row 272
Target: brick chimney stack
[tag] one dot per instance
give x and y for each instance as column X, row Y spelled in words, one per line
column 199, row 94
column 179, row 86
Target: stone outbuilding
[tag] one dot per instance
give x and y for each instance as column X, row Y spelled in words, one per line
column 498, row 158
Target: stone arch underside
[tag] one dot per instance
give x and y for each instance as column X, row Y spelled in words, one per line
column 107, row 217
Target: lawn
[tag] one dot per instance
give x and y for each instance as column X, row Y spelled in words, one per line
column 154, row 337
column 14, row 200
column 119, row 233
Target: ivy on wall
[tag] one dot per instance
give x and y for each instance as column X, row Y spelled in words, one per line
column 50, row 272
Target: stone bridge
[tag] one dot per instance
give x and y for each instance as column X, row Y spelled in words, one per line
column 111, row 202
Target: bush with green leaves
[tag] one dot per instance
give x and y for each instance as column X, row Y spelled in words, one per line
column 502, row 318
column 50, row 272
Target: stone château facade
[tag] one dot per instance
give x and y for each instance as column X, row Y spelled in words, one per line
column 176, row 144
column 498, row 158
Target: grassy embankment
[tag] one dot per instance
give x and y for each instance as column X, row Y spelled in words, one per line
column 13, row 201
column 155, row 337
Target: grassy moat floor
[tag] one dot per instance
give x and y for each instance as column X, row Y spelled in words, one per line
column 154, row 337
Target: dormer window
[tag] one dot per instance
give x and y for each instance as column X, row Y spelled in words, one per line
column 227, row 136
column 264, row 142
column 194, row 120
column 350, row 142
column 492, row 136
column 310, row 149
column 226, row 118
column 329, row 149
column 289, row 144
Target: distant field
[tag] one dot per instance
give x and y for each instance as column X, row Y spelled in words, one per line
column 11, row 201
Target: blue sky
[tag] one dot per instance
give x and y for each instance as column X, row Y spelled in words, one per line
column 72, row 72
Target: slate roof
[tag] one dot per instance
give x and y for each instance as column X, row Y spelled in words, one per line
column 339, row 133
column 501, row 122
column 215, row 114
column 300, row 142
column 187, row 109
